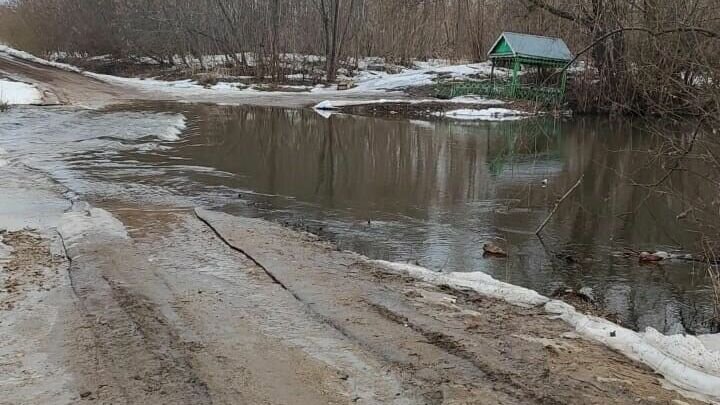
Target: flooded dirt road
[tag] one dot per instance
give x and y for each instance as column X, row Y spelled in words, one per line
column 141, row 298
column 433, row 193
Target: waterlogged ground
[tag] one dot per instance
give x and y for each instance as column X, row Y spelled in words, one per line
column 399, row 190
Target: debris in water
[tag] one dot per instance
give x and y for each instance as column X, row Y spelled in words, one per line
column 492, row 249
column 683, row 214
column 587, row 294
column 647, row 257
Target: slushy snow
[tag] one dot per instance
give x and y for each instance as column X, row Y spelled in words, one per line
column 369, row 81
column 16, row 93
column 366, row 82
column 32, row 58
column 476, row 100
column 174, row 129
column 688, row 363
column 486, row 114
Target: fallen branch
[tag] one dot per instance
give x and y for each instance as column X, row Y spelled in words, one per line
column 557, row 204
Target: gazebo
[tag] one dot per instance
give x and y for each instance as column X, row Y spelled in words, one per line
column 523, row 52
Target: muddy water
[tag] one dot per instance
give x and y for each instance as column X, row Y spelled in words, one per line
column 430, row 193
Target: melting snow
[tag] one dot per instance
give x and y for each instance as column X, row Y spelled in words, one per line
column 486, row 114
column 689, row 364
column 336, row 104
column 32, row 58
column 174, row 129
column 15, row 93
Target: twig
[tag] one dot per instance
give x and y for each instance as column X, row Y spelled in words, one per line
column 557, row 204
column 699, row 30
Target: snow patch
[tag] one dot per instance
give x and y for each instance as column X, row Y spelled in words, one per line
column 423, row 76
column 337, row 104
column 32, row 58
column 474, row 100
column 712, row 342
column 480, row 282
column 689, row 364
column 17, row 93
column 486, row 114
column 683, row 360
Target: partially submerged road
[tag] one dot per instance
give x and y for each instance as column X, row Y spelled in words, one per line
column 162, row 306
column 125, row 303
column 65, row 87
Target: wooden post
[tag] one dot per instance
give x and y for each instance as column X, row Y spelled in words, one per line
column 492, row 79
column 516, row 70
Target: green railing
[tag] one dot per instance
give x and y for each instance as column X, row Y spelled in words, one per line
column 543, row 95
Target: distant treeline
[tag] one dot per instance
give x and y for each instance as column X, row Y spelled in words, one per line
column 648, row 55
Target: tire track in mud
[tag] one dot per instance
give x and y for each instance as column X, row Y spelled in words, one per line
column 426, row 368
column 445, row 346
column 124, row 350
column 452, row 346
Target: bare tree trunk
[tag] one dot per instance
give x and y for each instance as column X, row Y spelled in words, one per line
column 333, row 56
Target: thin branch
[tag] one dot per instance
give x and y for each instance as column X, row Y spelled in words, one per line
column 558, row 203
column 699, row 30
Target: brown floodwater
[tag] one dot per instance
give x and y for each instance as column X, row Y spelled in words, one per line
column 434, row 192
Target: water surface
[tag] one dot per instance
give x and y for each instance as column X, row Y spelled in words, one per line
column 427, row 192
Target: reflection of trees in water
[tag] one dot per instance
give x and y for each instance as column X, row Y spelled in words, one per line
column 522, row 142
column 354, row 161
column 609, row 214
column 444, row 185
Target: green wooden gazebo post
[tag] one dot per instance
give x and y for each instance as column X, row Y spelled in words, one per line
column 492, row 79
column 515, row 77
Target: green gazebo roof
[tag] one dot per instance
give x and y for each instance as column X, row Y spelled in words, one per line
column 530, row 48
